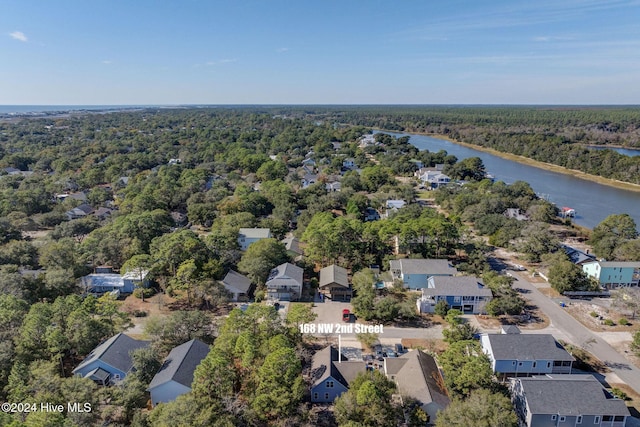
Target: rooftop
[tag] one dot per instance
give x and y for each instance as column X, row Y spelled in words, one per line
column 456, row 286
column 423, row 266
column 325, row 364
column 237, row 281
column 181, row 363
column 115, row 352
column 255, row 233
column 527, row 347
column 570, row 395
column 334, row 274
column 419, row 377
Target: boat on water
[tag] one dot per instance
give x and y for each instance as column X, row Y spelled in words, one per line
column 567, row 212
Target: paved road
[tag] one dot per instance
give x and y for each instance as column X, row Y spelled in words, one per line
column 577, row 334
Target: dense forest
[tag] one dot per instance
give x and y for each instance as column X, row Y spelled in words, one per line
column 167, row 190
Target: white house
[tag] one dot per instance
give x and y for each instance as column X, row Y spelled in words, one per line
column 285, row 283
column 247, row 236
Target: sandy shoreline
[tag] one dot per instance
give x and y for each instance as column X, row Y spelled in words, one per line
column 541, row 165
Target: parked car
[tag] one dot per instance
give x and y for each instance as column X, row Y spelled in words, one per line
column 392, row 354
column 346, row 315
column 399, row 348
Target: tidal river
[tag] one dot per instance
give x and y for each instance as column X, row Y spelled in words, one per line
column 593, row 202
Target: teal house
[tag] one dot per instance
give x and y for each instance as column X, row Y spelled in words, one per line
column 614, row 274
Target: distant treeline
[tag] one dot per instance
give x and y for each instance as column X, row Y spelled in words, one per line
column 558, row 135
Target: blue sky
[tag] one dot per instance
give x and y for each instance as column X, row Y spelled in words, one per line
column 319, row 52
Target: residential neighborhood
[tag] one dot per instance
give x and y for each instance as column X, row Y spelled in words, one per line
column 292, row 270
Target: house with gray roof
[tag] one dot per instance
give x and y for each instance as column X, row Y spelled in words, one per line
column 334, row 283
column 285, row 283
column 110, row 361
column 614, row 274
column 331, row 374
column 417, row 375
column 392, row 206
column 80, row 211
column 566, row 400
column 465, row 293
column 415, row 273
column 237, row 284
column 513, row 355
column 176, row 374
column 100, row 283
column 576, row 256
column 247, row 236
column 292, row 244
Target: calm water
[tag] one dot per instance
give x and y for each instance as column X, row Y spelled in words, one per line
column 39, row 109
column 626, row 151
column 593, row 202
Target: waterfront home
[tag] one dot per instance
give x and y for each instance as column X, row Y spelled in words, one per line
column 566, row 400
column 331, row 374
column 516, row 213
column 614, row 274
column 513, row 355
column 434, row 179
column 247, row 236
column 415, row 273
column 334, row 283
column 110, row 361
column 176, row 374
column 417, row 375
column 576, row 256
column 465, row 293
column 285, row 283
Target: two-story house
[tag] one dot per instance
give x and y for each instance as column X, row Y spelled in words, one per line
column 514, row 355
column 415, row 273
column 334, row 283
column 567, row 401
column 331, row 374
column 614, row 274
column 285, row 283
column 465, row 293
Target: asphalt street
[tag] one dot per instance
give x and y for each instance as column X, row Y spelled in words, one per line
column 577, row 334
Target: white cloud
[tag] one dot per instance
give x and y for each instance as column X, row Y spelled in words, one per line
column 107, row 62
column 19, row 35
column 282, row 49
column 221, row 61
